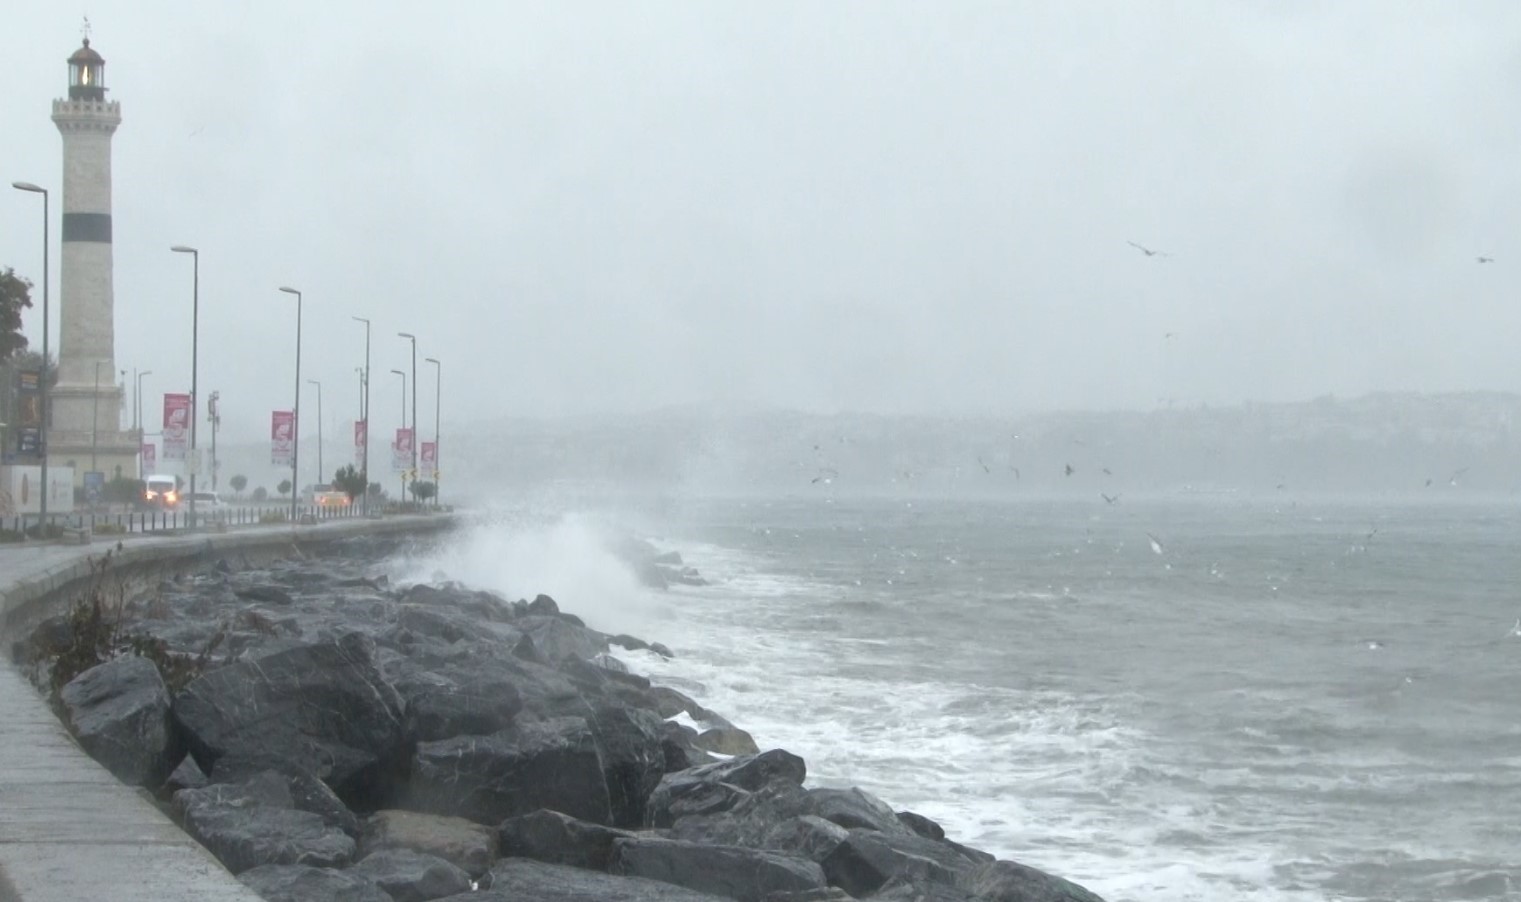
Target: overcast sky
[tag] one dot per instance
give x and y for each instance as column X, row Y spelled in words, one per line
column 877, row 206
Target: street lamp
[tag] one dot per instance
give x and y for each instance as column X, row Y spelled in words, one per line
column 364, row 414
column 42, row 435
column 319, row 427
column 438, row 397
column 295, row 444
column 413, row 338
column 95, row 418
column 137, row 416
column 195, row 334
column 403, row 376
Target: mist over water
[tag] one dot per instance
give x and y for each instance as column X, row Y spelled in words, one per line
column 1310, row 700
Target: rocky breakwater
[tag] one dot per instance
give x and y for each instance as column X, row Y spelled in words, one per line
column 330, row 736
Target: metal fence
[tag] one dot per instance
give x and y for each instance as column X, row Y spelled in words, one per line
column 160, row 520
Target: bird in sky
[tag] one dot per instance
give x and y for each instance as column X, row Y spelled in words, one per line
column 1070, row 471
column 1109, row 499
column 1148, row 251
column 825, row 476
column 1156, row 543
column 1453, row 480
column 1107, row 473
column 984, row 466
column 1486, row 259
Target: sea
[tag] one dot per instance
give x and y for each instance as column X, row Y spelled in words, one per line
column 1181, row 698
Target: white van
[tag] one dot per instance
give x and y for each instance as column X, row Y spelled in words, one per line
column 161, row 491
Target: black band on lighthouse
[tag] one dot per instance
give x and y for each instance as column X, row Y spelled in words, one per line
column 87, row 227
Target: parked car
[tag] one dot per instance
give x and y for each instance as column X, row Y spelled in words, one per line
column 209, row 504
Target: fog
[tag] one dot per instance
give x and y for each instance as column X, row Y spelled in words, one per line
column 900, row 208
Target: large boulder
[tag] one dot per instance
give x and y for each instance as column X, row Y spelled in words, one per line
column 467, row 845
column 713, row 788
column 557, row 838
column 1010, row 881
column 323, row 707
column 304, row 883
column 410, row 876
column 520, row 879
column 867, row 859
column 556, row 639
column 254, row 822
column 855, row 808
column 458, row 700
column 734, row 871
column 307, row 793
column 631, row 745
column 119, row 712
column 544, row 764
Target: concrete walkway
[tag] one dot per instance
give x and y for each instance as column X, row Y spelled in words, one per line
column 69, row 832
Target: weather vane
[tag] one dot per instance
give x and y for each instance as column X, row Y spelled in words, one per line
column 84, row 29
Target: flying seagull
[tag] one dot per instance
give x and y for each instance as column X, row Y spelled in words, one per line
column 1109, row 499
column 984, row 466
column 1156, row 543
column 1486, row 259
column 1453, row 480
column 1148, row 251
column 1070, row 471
column 825, row 476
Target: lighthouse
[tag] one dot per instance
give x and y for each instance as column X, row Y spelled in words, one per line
column 85, row 431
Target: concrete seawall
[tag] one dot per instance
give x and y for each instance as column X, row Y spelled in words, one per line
column 68, row 830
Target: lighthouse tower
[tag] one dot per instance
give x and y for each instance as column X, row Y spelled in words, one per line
column 85, row 431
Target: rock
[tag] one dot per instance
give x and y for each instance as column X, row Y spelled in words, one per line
column 520, row 880
column 741, row 873
column 555, row 639
column 921, row 825
column 623, row 640
column 630, row 744
column 807, row 835
column 652, row 575
column 222, row 566
column 900, row 890
column 543, row 605
column 467, row 845
column 852, row 808
column 749, row 820
column 187, row 775
column 826, row 894
column 435, row 622
column 867, row 859
column 266, row 594
column 717, row 787
column 304, row 883
column 307, row 793
column 458, row 700
column 119, row 712
column 727, row 741
column 410, row 876
column 1009, row 881
column 323, row 707
column 608, row 662
column 545, row 764
column 681, row 752
column 669, row 558
column 557, row 838
column 252, row 823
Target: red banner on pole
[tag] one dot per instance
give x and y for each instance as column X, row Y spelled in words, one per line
column 429, row 457
column 150, row 457
column 361, row 438
column 282, row 438
column 176, row 426
column 401, row 451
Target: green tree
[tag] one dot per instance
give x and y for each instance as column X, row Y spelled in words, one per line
column 284, row 487
column 260, row 493
column 238, row 483
column 423, row 490
column 350, row 481
column 15, row 296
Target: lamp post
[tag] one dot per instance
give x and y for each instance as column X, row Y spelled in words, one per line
column 195, row 334
column 95, row 419
column 403, row 376
column 42, row 433
column 214, row 417
column 320, row 471
column 364, row 414
column 413, row 338
column 137, row 416
column 295, row 444
column 438, row 397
